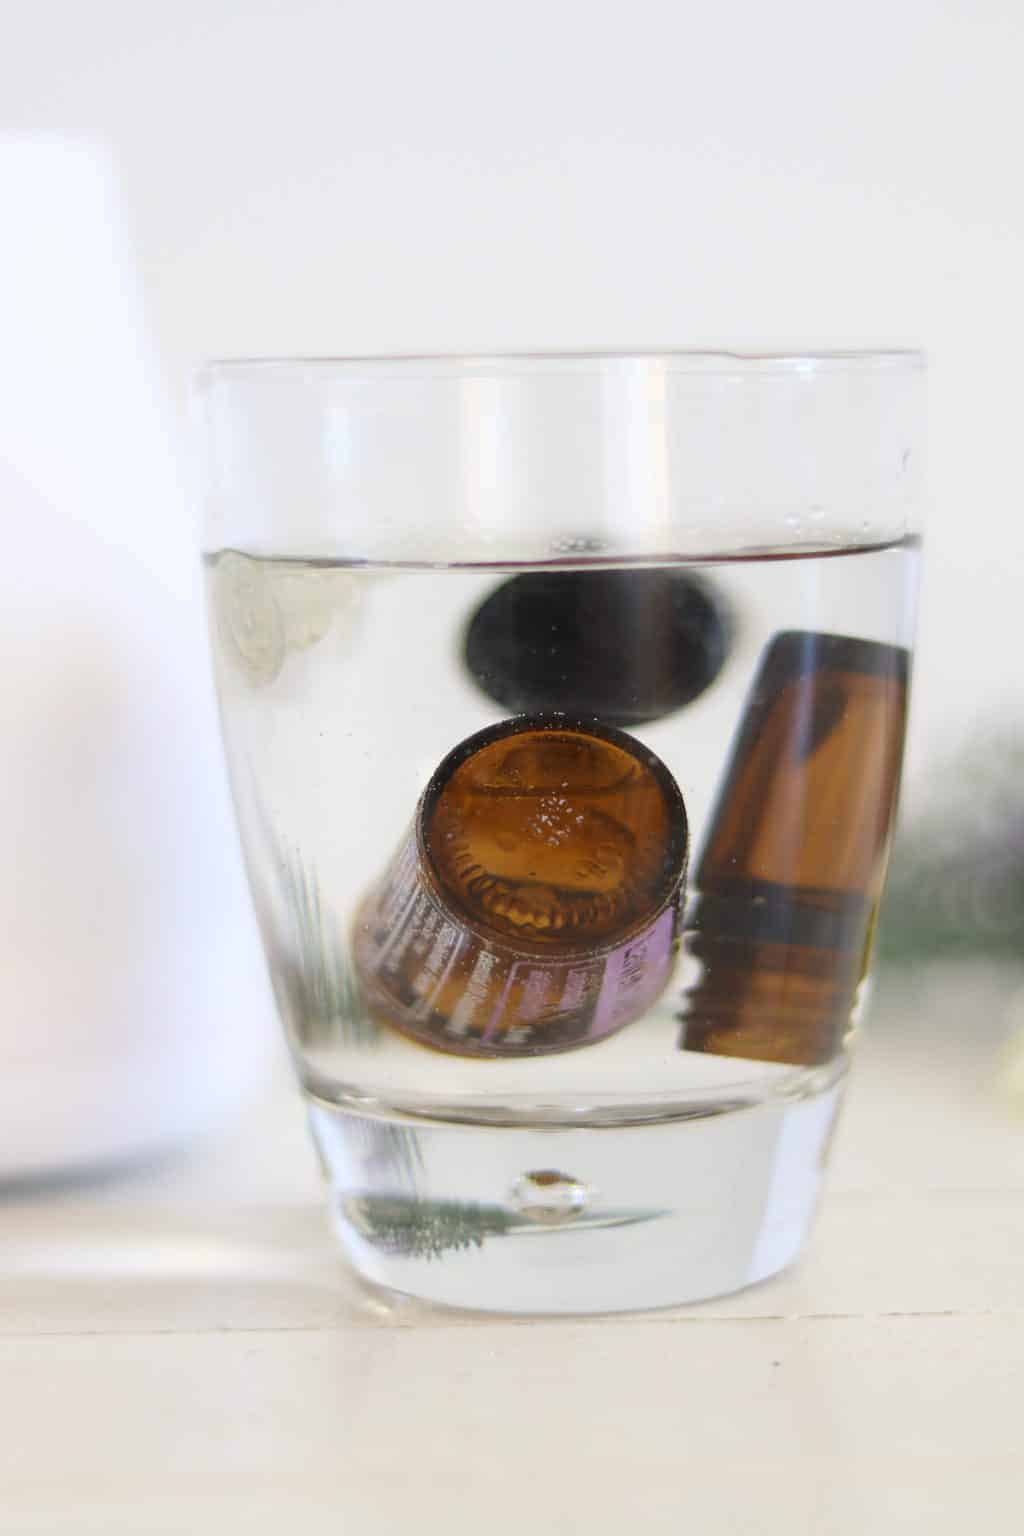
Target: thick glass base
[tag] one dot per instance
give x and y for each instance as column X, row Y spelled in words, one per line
column 556, row 1219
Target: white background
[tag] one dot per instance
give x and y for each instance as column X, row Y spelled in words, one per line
column 318, row 176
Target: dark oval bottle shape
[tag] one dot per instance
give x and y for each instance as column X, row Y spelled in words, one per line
column 626, row 646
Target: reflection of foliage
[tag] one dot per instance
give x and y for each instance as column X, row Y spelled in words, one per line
column 956, row 885
column 428, row 1229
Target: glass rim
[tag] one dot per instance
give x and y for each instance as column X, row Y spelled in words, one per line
column 698, row 361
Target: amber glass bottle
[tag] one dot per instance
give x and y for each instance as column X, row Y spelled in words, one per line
column 535, row 904
column 789, row 880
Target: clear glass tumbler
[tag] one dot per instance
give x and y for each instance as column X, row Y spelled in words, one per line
column 564, row 700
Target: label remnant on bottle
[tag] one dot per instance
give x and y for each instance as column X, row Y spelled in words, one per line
column 451, row 991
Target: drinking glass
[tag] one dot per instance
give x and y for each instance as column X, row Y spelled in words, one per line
column 564, row 700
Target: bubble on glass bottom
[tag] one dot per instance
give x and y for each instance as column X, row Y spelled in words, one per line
column 549, row 1197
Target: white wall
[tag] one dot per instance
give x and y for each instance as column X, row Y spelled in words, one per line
column 318, row 175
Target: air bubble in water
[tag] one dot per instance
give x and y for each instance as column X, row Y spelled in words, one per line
column 549, row 1197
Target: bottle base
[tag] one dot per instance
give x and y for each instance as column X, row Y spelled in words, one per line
column 500, row 1218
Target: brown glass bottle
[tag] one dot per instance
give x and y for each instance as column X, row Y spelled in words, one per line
column 534, row 906
column 790, row 877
